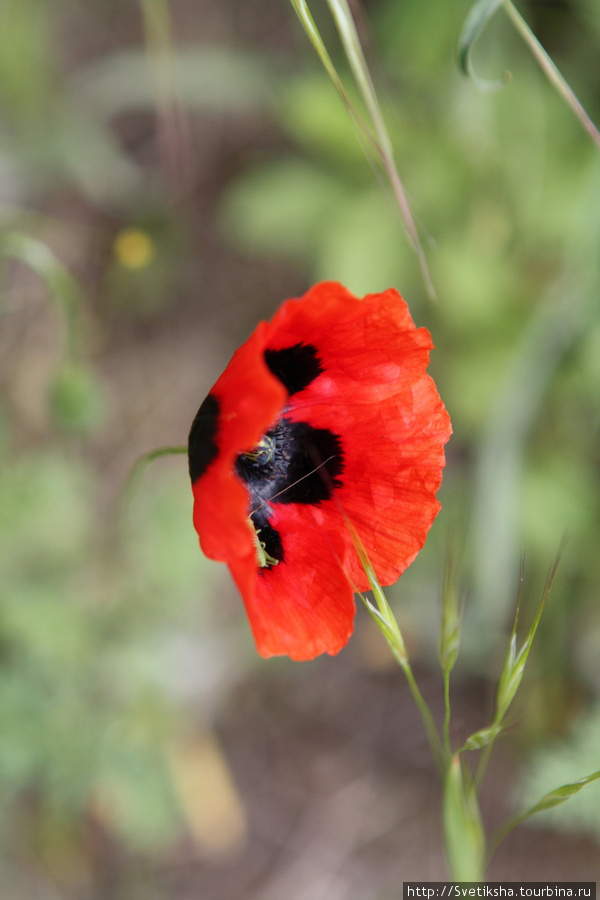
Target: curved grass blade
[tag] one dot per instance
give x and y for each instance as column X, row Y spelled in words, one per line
column 549, row 801
column 551, row 71
column 142, row 462
column 57, row 278
column 75, row 395
column 478, row 17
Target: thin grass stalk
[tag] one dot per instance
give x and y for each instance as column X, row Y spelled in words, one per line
column 143, row 461
column 173, row 131
column 450, row 627
column 428, row 722
column 375, row 141
column 387, row 624
column 447, row 715
column 308, row 23
column 399, row 652
column 356, row 58
column 551, row 71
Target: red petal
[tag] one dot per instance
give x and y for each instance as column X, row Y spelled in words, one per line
column 250, row 398
column 303, row 607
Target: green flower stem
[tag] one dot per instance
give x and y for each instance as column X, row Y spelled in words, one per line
column 387, row 624
column 447, row 745
column 464, row 836
column 140, row 465
column 432, row 734
column 482, row 764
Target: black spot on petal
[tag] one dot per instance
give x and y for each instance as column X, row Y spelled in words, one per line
column 202, row 445
column 294, row 366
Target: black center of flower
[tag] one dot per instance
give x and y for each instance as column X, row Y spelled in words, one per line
column 202, row 445
column 293, row 463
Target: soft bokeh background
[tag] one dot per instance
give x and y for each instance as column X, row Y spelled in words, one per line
column 169, row 172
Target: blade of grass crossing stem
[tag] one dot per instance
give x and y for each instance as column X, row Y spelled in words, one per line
column 464, row 837
column 386, row 622
column 551, row 71
column 549, row 801
column 478, row 17
column 376, row 139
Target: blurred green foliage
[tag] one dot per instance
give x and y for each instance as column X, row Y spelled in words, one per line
column 83, row 717
column 504, row 189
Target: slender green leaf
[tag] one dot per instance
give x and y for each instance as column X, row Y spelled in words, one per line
column 549, row 801
column 354, row 53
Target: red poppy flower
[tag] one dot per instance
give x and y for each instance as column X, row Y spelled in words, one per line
column 325, row 414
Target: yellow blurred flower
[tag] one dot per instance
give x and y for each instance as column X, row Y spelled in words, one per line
column 134, row 248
